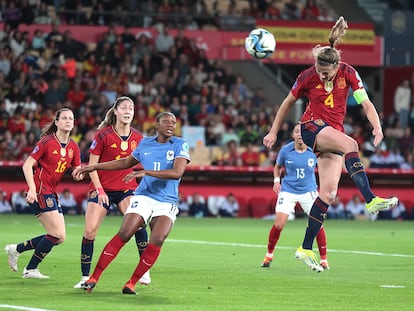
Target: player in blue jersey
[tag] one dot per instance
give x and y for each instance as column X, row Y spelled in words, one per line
column 164, row 158
column 298, row 186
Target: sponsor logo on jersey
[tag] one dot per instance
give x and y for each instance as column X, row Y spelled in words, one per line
column 319, row 86
column 54, row 152
column 114, row 145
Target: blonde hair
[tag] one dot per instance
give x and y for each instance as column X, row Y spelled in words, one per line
column 329, row 55
column 51, row 127
column 110, row 117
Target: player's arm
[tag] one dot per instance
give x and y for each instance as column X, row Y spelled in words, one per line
column 277, row 173
column 176, row 172
column 270, row 139
column 119, row 164
column 102, row 196
column 28, row 175
column 373, row 118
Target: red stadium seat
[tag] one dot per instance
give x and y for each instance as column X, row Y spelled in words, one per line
column 259, row 207
column 244, row 211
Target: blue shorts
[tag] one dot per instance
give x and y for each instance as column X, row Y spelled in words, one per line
column 310, row 129
column 114, row 197
column 45, row 203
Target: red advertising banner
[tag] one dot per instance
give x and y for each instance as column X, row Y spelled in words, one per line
column 295, row 41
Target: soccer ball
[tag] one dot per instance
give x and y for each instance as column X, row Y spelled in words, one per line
column 260, row 43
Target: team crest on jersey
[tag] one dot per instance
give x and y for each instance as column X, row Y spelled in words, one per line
column 311, row 162
column 133, row 144
column 70, row 153
column 341, row 83
column 328, row 86
column 124, row 145
column 319, row 122
column 49, row 202
column 170, row 155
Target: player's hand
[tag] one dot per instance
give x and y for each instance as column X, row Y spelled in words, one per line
column 269, row 140
column 276, row 187
column 133, row 175
column 102, row 198
column 378, row 136
column 31, row 196
column 79, row 172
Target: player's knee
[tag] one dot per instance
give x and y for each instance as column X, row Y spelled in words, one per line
column 90, row 234
column 329, row 197
column 158, row 239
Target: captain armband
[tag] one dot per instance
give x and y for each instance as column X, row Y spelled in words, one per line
column 360, row 95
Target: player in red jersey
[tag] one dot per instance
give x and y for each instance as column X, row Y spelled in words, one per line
column 50, row 159
column 326, row 84
column 114, row 140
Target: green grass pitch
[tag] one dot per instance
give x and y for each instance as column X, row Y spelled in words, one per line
column 214, row 264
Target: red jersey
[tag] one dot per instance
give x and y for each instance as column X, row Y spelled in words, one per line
column 327, row 100
column 53, row 160
column 108, row 145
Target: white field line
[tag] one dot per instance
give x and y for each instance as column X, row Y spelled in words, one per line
column 290, row 248
column 22, row 308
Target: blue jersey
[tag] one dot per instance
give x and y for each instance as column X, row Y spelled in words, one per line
column 300, row 169
column 155, row 156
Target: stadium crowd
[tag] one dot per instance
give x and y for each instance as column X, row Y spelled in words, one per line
column 48, row 71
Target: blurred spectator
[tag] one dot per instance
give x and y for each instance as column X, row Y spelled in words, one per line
column 198, row 206
column 19, row 204
column 230, row 156
column 337, row 209
column 310, row 11
column 291, row 10
column 402, row 101
column 68, row 203
column 5, row 206
column 182, row 206
column 378, row 159
column 355, row 207
column 164, row 41
column 406, row 142
column 250, row 157
column 229, row 206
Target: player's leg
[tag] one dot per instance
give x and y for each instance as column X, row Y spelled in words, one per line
column 330, row 139
column 329, row 170
column 306, row 202
column 160, row 228
column 94, row 215
column 163, row 216
column 284, row 206
column 130, row 224
column 54, row 223
column 141, row 236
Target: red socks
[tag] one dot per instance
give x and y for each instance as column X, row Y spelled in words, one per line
column 274, row 235
column 147, row 260
column 321, row 240
column 108, row 254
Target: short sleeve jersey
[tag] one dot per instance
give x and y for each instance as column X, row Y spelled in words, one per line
column 300, row 169
column 327, row 101
column 157, row 156
column 53, row 160
column 108, row 145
